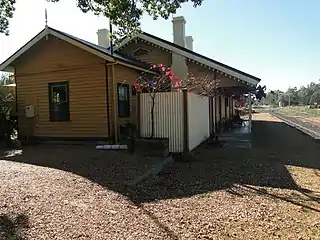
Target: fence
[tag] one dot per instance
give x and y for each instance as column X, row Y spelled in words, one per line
column 181, row 117
column 198, row 120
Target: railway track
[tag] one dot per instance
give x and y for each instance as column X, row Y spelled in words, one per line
column 308, row 128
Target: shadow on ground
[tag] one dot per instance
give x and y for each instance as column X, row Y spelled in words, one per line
column 11, row 227
column 274, row 145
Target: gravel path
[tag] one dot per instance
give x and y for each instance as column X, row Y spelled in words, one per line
column 271, row 191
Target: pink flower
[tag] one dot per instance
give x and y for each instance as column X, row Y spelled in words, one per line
column 170, row 75
column 178, row 80
column 136, row 85
column 163, row 69
column 160, row 65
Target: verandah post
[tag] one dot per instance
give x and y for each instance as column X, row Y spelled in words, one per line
column 185, row 121
column 211, row 124
column 138, row 132
column 250, row 112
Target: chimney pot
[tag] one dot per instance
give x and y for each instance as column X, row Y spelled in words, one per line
column 189, row 42
column 103, row 38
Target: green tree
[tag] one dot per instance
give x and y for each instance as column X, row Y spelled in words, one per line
column 6, row 12
column 6, row 96
column 124, row 14
column 284, row 99
column 6, row 79
column 315, row 98
column 272, row 98
column 314, row 86
column 297, row 96
column 6, row 93
column 292, row 96
column 304, row 95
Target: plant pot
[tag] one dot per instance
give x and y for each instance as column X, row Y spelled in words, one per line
column 152, row 147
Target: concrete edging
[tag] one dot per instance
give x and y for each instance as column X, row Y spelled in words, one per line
column 297, row 126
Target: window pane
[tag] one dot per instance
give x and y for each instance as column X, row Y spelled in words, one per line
column 123, row 109
column 123, row 93
column 123, row 100
column 60, row 111
column 59, row 105
column 59, row 94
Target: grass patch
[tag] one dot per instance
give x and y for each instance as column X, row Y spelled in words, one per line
column 300, row 111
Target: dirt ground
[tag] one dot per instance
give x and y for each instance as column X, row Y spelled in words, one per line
column 314, row 120
column 270, row 191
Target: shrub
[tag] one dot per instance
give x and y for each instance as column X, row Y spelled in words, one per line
column 6, row 124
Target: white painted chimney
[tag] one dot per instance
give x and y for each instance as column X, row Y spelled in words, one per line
column 103, row 38
column 189, row 42
column 178, row 24
column 178, row 64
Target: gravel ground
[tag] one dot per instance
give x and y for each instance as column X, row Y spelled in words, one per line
column 73, row 192
column 271, row 191
column 308, row 121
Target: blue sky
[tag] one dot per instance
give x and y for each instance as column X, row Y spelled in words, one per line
column 276, row 40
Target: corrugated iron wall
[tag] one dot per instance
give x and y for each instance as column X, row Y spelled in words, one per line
column 198, row 120
column 168, row 118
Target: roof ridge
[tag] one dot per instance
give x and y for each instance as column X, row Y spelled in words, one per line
column 199, row 55
column 49, row 30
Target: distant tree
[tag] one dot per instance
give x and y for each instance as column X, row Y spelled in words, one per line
column 304, row 95
column 272, row 98
column 5, row 92
column 315, row 98
column 6, row 79
column 6, row 126
column 314, row 86
column 297, row 96
column 124, row 14
column 284, row 99
column 292, row 96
